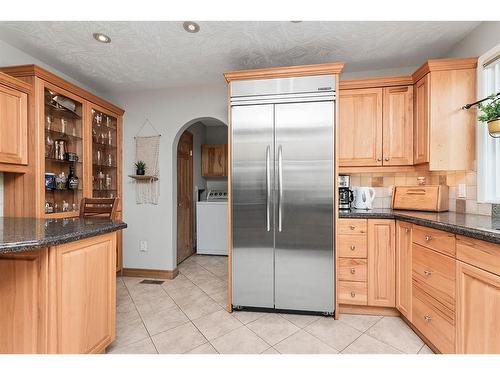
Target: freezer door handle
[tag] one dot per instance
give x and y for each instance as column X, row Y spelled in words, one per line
column 280, row 188
column 268, row 188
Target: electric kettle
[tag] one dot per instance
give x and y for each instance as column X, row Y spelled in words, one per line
column 363, row 198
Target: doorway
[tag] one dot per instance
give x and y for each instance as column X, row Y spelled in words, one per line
column 185, row 246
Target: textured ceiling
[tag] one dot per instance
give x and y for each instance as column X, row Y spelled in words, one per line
column 151, row 55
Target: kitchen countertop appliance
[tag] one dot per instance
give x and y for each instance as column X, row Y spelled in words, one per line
column 346, row 195
column 363, row 198
column 283, row 193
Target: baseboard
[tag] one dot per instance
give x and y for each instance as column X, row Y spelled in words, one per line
column 368, row 310
column 154, row 274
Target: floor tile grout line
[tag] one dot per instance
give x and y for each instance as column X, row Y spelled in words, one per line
column 324, row 342
column 392, row 346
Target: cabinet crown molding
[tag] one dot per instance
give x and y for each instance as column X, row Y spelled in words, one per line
column 365, row 83
column 285, row 71
column 444, row 64
column 14, row 83
column 37, row 71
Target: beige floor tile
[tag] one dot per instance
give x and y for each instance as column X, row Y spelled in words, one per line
column 425, row 350
column 216, row 324
column 220, row 298
column 130, row 333
column 179, row 282
column 187, row 295
column 273, row 328
column 203, row 349
column 213, row 286
column 359, row 322
column 366, row 344
column 141, row 347
column 126, row 313
column 149, row 306
column 333, row 332
column 395, row 332
column 201, row 307
column 240, row 341
column 178, row 340
column 303, row 343
column 158, row 321
column 300, row 320
column 247, row 316
column 271, row 350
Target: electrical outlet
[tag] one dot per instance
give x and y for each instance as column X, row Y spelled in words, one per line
column 143, row 245
column 462, row 191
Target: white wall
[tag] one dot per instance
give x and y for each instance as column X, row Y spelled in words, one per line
column 171, row 111
column 480, row 40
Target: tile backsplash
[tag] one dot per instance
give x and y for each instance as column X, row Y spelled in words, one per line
column 383, row 184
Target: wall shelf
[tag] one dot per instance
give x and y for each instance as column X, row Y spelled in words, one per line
column 143, row 177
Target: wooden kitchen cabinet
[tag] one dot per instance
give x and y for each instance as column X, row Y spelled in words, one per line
column 13, row 123
column 214, row 160
column 381, row 263
column 398, row 126
column 403, row 268
column 360, row 127
column 421, row 121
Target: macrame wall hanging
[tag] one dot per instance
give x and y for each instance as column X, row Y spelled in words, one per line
column 147, row 150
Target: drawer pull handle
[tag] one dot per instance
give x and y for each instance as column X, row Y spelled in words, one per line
column 353, row 271
column 427, row 273
column 352, row 227
column 353, row 294
column 427, row 318
column 428, row 237
column 353, row 247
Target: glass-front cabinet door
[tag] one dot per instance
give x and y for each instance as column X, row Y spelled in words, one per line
column 64, row 148
column 106, row 157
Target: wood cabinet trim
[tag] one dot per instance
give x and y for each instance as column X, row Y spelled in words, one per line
column 375, row 82
column 434, row 65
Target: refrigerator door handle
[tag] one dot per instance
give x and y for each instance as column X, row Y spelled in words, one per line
column 268, row 187
column 280, row 187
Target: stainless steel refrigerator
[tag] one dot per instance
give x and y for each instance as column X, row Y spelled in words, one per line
column 283, row 193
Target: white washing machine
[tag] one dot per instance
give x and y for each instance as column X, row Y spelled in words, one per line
column 211, row 224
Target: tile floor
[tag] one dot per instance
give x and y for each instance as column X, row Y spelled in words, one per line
column 187, row 315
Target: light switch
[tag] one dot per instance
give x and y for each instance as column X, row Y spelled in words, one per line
column 462, row 191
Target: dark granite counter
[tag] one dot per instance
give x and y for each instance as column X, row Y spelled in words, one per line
column 23, row 234
column 481, row 227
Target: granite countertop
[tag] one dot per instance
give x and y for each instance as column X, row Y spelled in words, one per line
column 23, row 234
column 481, row 227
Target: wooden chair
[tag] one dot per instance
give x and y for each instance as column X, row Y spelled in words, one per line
column 98, row 207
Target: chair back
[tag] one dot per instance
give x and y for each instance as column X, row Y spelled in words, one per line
column 98, row 207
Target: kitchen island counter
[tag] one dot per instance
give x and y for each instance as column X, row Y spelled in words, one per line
column 481, row 227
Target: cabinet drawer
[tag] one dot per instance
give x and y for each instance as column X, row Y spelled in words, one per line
column 354, row 246
column 353, row 293
column 352, row 269
column 434, row 239
column 481, row 254
column 437, row 326
column 435, row 274
column 352, row 226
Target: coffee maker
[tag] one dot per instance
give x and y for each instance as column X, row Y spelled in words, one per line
column 346, row 195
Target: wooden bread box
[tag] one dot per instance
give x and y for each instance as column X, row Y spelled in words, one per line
column 420, row 198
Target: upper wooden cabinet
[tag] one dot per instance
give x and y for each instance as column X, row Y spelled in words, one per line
column 444, row 132
column 376, row 126
column 13, row 123
column 360, row 127
column 214, row 160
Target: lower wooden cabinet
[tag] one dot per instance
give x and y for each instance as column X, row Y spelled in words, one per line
column 59, row 300
column 478, row 310
column 403, row 268
column 381, row 263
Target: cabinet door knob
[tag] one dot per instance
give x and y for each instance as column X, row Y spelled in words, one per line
column 427, row 318
column 353, row 294
column 386, row 159
column 407, row 230
column 353, row 271
column 427, row 273
column 352, row 227
column 353, row 247
column 379, row 159
column 428, row 237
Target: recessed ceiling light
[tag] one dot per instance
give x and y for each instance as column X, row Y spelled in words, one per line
column 295, row 21
column 191, row 27
column 100, row 37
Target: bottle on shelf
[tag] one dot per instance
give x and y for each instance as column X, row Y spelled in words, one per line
column 73, row 180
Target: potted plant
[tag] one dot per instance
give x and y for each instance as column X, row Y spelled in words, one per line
column 140, row 168
column 490, row 113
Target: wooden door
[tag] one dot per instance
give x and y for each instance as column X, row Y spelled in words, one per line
column 214, row 160
column 478, row 309
column 421, row 111
column 360, row 127
column 85, row 296
column 403, row 268
column 381, row 263
column 185, row 197
column 398, row 126
column 13, row 126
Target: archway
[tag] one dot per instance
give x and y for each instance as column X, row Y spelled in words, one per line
column 203, row 130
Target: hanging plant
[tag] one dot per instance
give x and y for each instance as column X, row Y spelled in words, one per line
column 490, row 113
column 140, row 168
